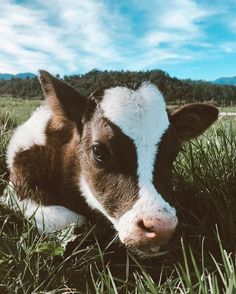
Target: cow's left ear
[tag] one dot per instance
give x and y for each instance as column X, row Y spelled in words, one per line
column 191, row 120
column 63, row 99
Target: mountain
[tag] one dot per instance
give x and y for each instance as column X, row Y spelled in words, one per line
column 23, row 75
column 226, row 81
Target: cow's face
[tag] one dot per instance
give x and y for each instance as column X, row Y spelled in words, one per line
column 127, row 146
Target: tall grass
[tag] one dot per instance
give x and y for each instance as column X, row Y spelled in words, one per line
column 19, row 109
column 205, row 183
column 200, row 259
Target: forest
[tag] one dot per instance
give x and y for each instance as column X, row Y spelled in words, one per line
column 176, row 91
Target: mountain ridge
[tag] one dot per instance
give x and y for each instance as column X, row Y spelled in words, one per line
column 21, row 75
column 226, row 81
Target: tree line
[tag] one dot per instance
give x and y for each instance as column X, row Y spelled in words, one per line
column 175, row 91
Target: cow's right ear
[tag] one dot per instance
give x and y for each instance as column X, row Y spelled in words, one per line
column 63, row 99
column 191, row 120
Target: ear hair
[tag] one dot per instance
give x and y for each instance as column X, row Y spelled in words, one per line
column 63, row 99
column 191, row 120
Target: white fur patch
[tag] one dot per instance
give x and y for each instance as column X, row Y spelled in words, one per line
column 150, row 205
column 141, row 115
column 47, row 218
column 30, row 133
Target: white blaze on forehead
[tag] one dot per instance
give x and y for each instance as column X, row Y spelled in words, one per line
column 140, row 114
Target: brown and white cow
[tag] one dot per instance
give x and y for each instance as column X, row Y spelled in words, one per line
column 112, row 151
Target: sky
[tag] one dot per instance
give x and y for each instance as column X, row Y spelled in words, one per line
column 186, row 38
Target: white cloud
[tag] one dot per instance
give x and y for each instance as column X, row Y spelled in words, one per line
column 78, row 35
column 26, row 38
column 158, row 56
column 228, row 47
column 233, row 24
column 172, row 28
column 182, row 15
column 59, row 36
column 177, row 23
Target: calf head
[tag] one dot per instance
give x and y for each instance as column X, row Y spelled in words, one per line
column 127, row 143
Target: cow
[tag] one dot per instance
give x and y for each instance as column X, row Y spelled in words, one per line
column 111, row 152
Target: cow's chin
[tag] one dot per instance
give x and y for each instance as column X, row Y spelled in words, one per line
column 145, row 251
column 148, row 253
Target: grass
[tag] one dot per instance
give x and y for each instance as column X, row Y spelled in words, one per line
column 200, row 259
column 227, row 109
column 19, row 109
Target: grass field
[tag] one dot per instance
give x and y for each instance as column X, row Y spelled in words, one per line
column 228, row 109
column 18, row 109
column 200, row 259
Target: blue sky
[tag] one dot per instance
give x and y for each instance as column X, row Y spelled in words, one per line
column 186, row 38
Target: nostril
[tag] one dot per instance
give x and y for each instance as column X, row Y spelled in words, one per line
column 161, row 229
column 149, row 230
column 142, row 226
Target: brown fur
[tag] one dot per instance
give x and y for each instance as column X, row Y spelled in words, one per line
column 49, row 174
column 191, row 120
column 115, row 183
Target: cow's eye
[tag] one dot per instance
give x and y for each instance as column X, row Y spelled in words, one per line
column 100, row 152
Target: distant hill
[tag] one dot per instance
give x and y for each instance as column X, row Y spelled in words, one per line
column 24, row 75
column 175, row 91
column 226, row 81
